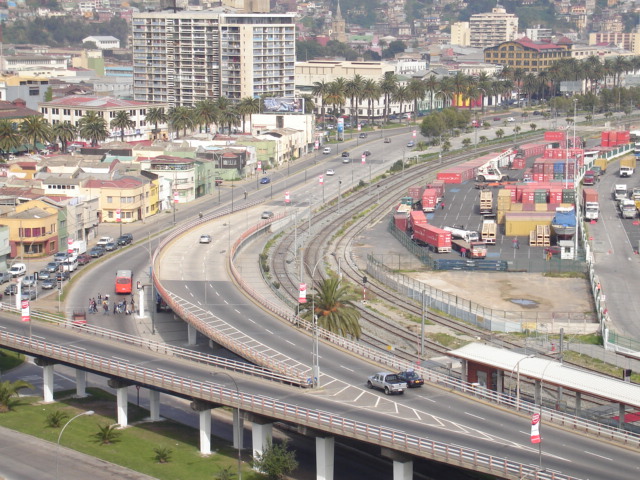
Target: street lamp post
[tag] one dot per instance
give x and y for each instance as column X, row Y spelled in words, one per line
column 315, row 357
column 516, row 367
column 88, row 412
column 238, row 431
column 540, row 412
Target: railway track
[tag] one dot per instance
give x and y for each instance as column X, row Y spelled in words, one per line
column 349, row 219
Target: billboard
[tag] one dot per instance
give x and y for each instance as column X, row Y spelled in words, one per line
column 283, row 105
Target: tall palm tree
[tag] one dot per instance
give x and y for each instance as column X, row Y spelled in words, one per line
column 388, row 84
column 353, row 90
column 156, row 116
column 336, row 95
column 9, row 393
column 460, row 83
column 93, row 127
column 222, row 105
column 518, row 75
column 10, row 137
column 122, row 120
column 249, row 106
column 309, row 103
column 181, row 118
column 320, row 90
column 401, row 95
column 484, row 83
column 370, row 93
column 229, row 117
column 65, row 132
column 416, row 91
column 34, row 128
column 431, row 85
column 447, row 91
column 334, row 307
column 530, row 84
column 206, row 113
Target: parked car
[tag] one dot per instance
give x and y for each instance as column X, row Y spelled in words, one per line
column 62, row 276
column 265, row 180
column 104, row 240
column 28, row 294
column 48, row 284
column 496, row 119
column 60, row 257
column 96, row 252
column 29, row 280
column 346, row 160
column 18, row 269
column 84, row 259
column 511, row 119
column 366, row 153
column 363, row 135
column 345, row 154
column 411, row 378
column 205, row 238
column 110, row 247
column 387, row 140
column 12, row 289
column 326, row 150
column 5, row 277
column 266, row 215
column 411, row 143
column 537, row 112
column 330, row 171
column 125, row 239
column 44, row 274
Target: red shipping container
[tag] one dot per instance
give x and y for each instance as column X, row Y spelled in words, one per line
column 434, row 236
column 429, row 199
column 589, row 195
column 450, row 176
column 555, row 136
column 415, row 192
column 519, row 163
column 401, row 221
column 437, row 185
column 624, row 137
column 528, row 196
column 555, row 195
column 417, row 217
column 613, row 139
column 604, row 137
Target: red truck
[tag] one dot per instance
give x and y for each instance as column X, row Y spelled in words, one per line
column 429, row 200
column 590, row 178
column 470, row 249
column 436, row 238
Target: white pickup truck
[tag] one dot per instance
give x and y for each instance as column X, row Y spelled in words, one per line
column 387, row 382
column 104, row 240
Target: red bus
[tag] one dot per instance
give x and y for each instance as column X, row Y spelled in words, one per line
column 124, row 281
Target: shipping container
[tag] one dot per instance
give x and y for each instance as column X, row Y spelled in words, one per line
column 568, row 196
column 519, row 163
column 613, row 139
column 540, row 196
column 555, row 195
column 438, row 186
column 436, row 238
column 532, row 149
column 401, row 221
column 555, row 136
column 604, row 139
column 415, row 192
column 417, row 217
column 429, row 200
column 522, row 223
column 589, row 195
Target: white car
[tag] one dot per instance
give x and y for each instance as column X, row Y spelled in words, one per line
column 18, row 269
column 511, row 119
column 326, row 150
column 104, row 240
column 205, row 238
column 330, row 171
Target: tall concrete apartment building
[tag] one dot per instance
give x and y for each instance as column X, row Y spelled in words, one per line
column 184, row 57
column 489, row 29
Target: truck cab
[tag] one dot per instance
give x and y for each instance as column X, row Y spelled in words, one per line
column 620, row 191
column 460, row 232
column 589, row 178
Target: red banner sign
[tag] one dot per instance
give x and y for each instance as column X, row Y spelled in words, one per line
column 26, row 316
column 535, row 428
column 302, row 297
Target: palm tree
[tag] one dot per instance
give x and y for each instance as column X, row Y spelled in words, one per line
column 107, row 434
column 387, row 85
column 416, row 91
column 401, row 95
column 484, row 83
column 320, row 90
column 156, row 116
column 35, row 127
column 431, row 85
column 353, row 90
column 206, row 112
column 93, row 127
column 370, row 93
column 65, row 132
column 229, row 117
column 10, row 137
column 9, row 393
column 334, row 307
column 460, row 83
column 222, row 105
column 180, row 118
column 122, row 120
column 249, row 106
column 309, row 104
column 336, row 95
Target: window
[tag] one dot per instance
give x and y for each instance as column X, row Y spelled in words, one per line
column 110, row 214
column 55, row 111
column 45, row 110
column 78, row 113
column 109, row 199
column 66, row 111
column 34, row 92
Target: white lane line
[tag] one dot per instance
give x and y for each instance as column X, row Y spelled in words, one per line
column 166, row 371
column 599, row 456
column 427, row 399
column 226, row 302
column 349, row 369
column 236, row 310
column 40, row 337
column 290, row 342
column 199, row 303
column 120, row 359
column 268, row 331
column 524, row 433
column 252, row 321
column 217, row 293
column 187, row 287
column 472, row 415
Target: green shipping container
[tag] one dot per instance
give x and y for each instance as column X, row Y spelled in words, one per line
column 540, row 196
column 568, row 196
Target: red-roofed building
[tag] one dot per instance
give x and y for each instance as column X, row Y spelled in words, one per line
column 73, row 108
column 528, row 55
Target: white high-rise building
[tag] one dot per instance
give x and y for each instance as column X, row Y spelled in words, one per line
column 184, row 57
column 489, row 29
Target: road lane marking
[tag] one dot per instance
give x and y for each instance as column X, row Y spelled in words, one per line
column 226, row 302
column 290, row 342
column 350, row 369
column 599, row 456
column 252, row 321
column 166, row 371
column 268, row 331
column 120, row 359
column 236, row 310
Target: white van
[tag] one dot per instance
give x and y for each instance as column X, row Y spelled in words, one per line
column 70, row 264
column 18, row 269
column 326, row 150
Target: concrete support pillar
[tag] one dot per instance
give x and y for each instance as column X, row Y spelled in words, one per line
column 191, row 335
column 402, row 470
column 238, row 429
column 464, row 370
column 559, row 398
column 205, row 431
column 325, row 459
column 154, row 405
column 538, row 392
column 261, row 434
column 122, row 395
column 47, row 383
column 578, row 404
column 81, row 383
column 621, row 410
column 500, row 382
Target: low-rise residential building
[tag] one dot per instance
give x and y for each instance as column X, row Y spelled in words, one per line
column 628, row 41
column 34, row 228
column 103, row 42
column 126, row 199
column 31, row 90
column 181, row 173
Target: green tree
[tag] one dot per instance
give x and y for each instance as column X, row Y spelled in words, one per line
column 395, row 47
column 466, row 142
column 276, row 461
column 206, row 113
column 56, row 418
column 353, row 90
column 483, row 139
column 416, row 90
column 249, row 106
column 533, row 126
column 320, row 90
column 35, row 128
column 180, row 118
column 122, row 121
column 10, row 137
column 64, row 132
column 93, row 127
column 387, row 84
column 446, row 146
column 162, row 454
column 9, row 394
column 370, row 93
column 334, row 308
column 48, row 94
column 156, row 116
column 500, row 133
column 107, row 434
column 225, row 474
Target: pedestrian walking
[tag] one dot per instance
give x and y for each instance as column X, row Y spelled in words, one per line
column 105, row 308
column 115, row 308
column 463, row 252
column 99, row 297
column 442, row 206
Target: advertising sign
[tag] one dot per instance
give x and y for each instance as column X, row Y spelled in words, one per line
column 320, row 180
column 341, row 125
column 118, row 216
column 26, row 316
column 302, row 297
column 283, row 105
column 535, row 428
column 286, row 197
column 364, row 159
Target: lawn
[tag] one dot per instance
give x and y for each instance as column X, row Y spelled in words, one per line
column 135, row 447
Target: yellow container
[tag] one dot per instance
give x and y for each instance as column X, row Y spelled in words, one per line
column 541, row 207
column 602, row 163
column 521, row 224
column 516, row 207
